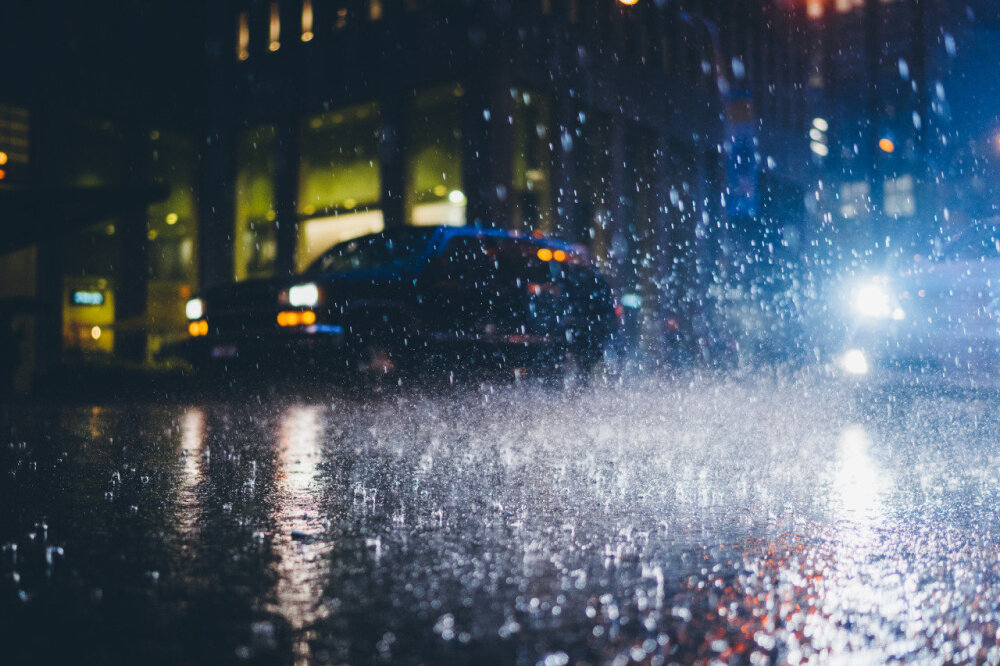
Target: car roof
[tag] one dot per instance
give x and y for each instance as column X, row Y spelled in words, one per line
column 447, row 233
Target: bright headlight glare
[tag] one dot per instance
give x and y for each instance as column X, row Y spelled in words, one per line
column 303, row 295
column 873, row 300
column 194, row 309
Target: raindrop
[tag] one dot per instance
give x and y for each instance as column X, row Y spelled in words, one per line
column 739, row 71
column 566, row 139
column 949, row 44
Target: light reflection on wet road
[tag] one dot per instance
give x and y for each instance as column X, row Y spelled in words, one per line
column 753, row 521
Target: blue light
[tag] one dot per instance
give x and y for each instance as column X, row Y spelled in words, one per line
column 88, row 298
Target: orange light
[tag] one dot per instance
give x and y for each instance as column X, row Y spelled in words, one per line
column 296, row 318
column 886, row 145
column 198, row 328
column 559, row 255
column 545, row 254
column 3, row 157
column 628, row 2
column 3, row 174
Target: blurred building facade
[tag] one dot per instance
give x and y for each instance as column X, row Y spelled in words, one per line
column 661, row 134
column 99, row 129
column 654, row 132
column 905, row 138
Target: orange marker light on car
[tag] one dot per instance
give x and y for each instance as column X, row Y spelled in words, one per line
column 198, row 328
column 545, row 254
column 296, row 318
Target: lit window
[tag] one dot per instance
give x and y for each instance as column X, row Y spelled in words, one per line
column 374, row 10
column 898, row 197
column 854, row 199
column 341, row 21
column 255, row 242
column 340, row 187
column 434, row 160
column 274, row 29
column 307, row 20
column 814, row 9
column 243, row 37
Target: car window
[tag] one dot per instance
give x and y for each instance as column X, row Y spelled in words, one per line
column 373, row 252
column 477, row 260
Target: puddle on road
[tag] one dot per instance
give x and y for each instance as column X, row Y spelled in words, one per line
column 707, row 518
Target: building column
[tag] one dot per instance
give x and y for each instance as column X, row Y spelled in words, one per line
column 217, row 166
column 392, row 152
column 286, row 191
column 216, row 206
column 488, row 140
column 132, row 281
column 566, row 202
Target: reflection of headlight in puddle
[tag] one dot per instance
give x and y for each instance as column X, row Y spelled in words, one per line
column 854, row 362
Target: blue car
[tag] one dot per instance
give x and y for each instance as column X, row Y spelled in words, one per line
column 417, row 295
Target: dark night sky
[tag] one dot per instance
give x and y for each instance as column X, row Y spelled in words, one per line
column 105, row 55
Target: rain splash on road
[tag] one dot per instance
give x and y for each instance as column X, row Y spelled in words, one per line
column 750, row 520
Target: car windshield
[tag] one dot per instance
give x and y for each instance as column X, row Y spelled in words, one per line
column 374, row 252
column 504, row 260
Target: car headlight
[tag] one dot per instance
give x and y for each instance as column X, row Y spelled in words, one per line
column 194, row 309
column 875, row 301
column 303, row 295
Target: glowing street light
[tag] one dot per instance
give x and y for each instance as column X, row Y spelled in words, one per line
column 886, row 145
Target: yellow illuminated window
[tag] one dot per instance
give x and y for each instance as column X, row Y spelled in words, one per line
column 243, row 37
column 434, row 159
column 274, row 28
column 341, row 22
column 340, row 187
column 255, row 243
column 307, row 20
column 374, row 10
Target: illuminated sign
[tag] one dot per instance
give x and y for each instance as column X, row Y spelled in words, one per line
column 88, row 298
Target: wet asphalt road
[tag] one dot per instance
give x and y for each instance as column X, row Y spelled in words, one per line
column 745, row 520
